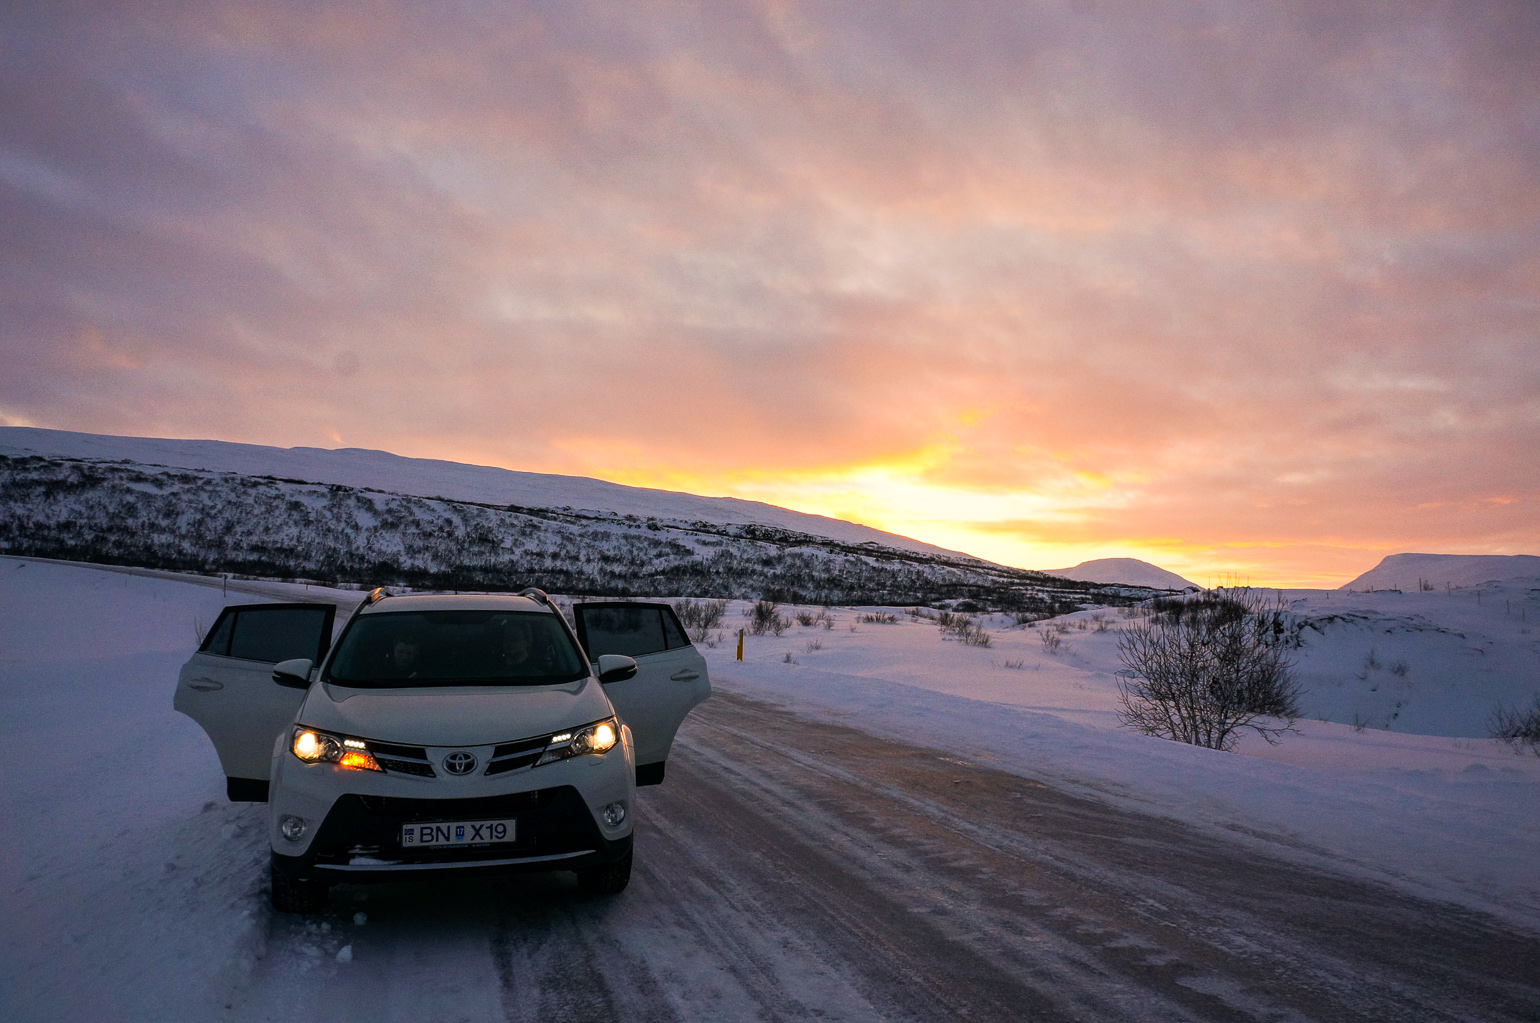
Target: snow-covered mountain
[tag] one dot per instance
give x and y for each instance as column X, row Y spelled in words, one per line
column 427, row 477
column 1437, row 571
column 105, row 507
column 1128, row 571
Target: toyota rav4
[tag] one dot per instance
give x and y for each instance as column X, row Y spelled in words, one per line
column 465, row 734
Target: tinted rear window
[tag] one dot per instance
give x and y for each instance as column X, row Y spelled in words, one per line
column 276, row 634
column 632, row 631
column 428, row 648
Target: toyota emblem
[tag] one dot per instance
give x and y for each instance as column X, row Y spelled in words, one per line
column 460, row 762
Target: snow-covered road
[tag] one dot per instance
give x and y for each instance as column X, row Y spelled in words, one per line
column 787, row 869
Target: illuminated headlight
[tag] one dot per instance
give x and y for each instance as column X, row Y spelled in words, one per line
column 315, row 747
column 597, row 738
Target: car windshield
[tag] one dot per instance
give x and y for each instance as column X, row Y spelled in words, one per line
column 455, row 648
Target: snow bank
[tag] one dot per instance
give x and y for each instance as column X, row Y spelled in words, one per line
column 128, row 880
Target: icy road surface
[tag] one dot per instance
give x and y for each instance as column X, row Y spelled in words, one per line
column 787, row 869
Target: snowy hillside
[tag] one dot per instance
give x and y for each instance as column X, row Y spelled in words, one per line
column 270, row 527
column 1128, row 571
column 422, row 477
column 1407, row 572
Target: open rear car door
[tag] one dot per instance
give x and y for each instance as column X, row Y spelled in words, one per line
column 670, row 673
column 228, row 688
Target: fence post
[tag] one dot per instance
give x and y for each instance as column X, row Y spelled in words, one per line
column 740, row 644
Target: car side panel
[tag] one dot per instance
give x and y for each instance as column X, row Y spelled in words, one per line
column 668, row 684
column 239, row 706
column 236, row 701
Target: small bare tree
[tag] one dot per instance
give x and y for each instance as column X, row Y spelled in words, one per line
column 1518, row 728
column 765, row 616
column 1201, row 669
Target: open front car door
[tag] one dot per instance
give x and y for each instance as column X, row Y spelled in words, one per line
column 670, row 677
column 228, row 687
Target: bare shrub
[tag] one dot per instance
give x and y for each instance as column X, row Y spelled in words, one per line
column 765, row 616
column 788, row 658
column 1201, row 669
column 814, row 644
column 963, row 627
column 828, row 622
column 1518, row 728
column 806, row 618
column 1024, row 617
column 1015, row 664
column 199, row 631
column 879, row 618
column 699, row 617
column 1051, row 639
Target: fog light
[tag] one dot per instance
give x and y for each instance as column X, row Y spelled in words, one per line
column 614, row 814
column 292, row 828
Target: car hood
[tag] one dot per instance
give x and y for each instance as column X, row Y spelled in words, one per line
column 454, row 716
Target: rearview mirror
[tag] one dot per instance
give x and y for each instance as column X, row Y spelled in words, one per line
column 293, row 673
column 616, row 668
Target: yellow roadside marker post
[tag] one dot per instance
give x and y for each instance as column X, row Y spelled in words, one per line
column 740, row 644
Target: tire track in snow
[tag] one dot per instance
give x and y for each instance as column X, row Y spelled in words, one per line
column 795, row 870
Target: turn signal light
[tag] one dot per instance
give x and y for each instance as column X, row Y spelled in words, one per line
column 361, row 761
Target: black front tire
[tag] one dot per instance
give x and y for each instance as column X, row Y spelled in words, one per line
column 294, row 895
column 610, row 879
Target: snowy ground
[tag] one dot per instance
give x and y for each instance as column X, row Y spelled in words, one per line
column 133, row 890
column 1453, row 815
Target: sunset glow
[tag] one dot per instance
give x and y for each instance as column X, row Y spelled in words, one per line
column 1233, row 289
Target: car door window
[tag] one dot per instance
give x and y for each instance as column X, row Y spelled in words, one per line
column 634, row 631
column 671, row 630
column 218, row 639
column 277, row 634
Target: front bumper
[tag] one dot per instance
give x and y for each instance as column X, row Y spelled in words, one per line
column 360, row 838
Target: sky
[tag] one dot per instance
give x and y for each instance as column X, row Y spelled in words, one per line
column 1245, row 290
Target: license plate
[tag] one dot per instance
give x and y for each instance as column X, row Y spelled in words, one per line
column 446, row 834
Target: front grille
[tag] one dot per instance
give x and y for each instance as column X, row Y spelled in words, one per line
column 421, row 768
column 390, row 750
column 401, row 759
column 512, row 763
column 508, row 749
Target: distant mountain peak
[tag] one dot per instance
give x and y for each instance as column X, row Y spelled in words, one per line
column 1408, row 571
column 1128, row 571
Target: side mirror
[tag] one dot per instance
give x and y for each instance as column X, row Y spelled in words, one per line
column 294, row 673
column 615, row 668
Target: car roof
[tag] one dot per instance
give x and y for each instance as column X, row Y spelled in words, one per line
column 456, row 602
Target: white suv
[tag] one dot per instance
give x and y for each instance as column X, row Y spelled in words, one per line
column 443, row 733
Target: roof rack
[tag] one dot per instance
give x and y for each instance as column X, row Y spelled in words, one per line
column 377, row 594
column 536, row 594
